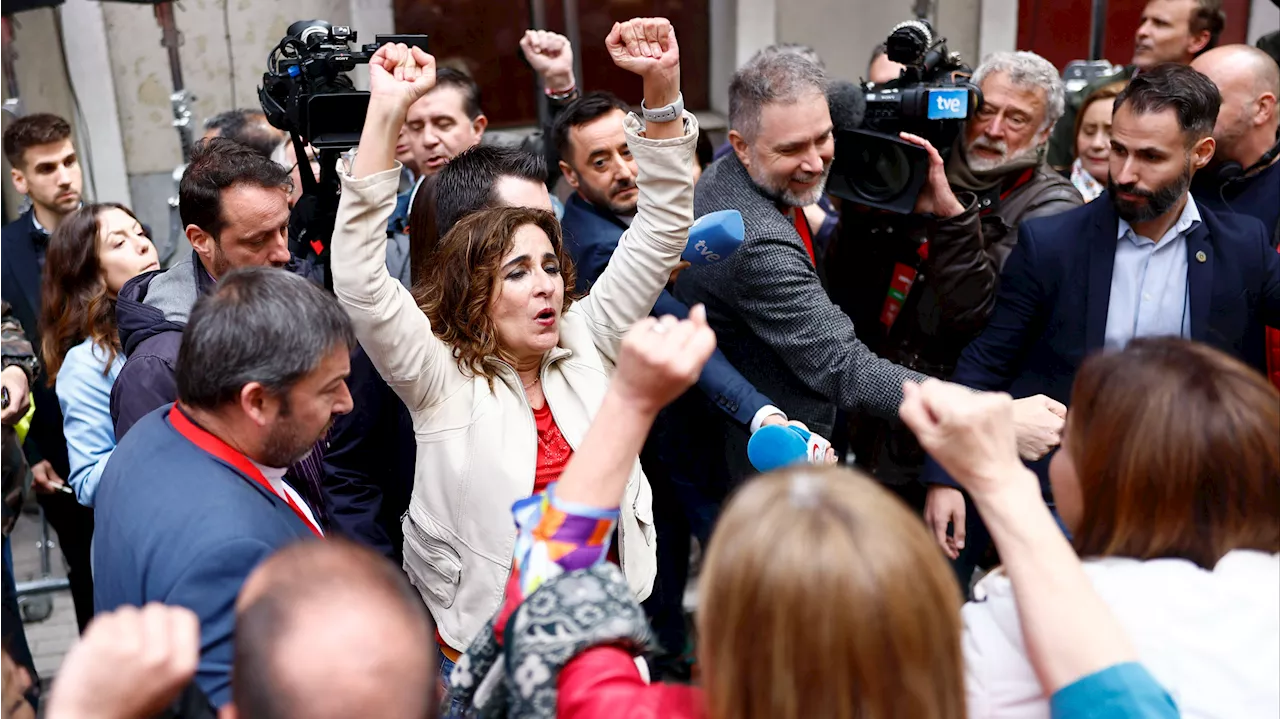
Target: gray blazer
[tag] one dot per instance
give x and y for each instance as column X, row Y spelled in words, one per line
column 773, row 318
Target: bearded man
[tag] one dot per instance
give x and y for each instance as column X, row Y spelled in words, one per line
column 773, row 318
column 1143, row 260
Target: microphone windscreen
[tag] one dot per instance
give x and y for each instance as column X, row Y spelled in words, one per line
column 847, row 104
column 713, row 237
column 776, row 445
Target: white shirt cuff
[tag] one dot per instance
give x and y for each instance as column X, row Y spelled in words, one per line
column 758, row 420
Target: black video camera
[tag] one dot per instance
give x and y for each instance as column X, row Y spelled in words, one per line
column 931, row 98
column 306, row 91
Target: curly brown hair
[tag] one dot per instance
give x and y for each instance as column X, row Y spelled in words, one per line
column 462, row 279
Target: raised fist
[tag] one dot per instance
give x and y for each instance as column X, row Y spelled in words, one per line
column 401, row 74
column 645, row 46
column 551, row 56
column 130, row 663
column 661, row 358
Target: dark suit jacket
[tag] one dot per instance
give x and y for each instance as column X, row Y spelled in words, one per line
column 591, row 236
column 179, row 526
column 20, row 281
column 1051, row 311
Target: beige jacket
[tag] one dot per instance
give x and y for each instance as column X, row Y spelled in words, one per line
column 477, row 446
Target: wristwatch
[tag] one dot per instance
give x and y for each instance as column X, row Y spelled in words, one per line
column 667, row 113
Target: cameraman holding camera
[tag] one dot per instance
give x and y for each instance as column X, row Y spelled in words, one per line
column 920, row 287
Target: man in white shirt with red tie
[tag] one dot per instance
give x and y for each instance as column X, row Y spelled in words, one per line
column 195, row 497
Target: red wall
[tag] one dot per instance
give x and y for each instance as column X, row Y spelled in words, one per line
column 1058, row 30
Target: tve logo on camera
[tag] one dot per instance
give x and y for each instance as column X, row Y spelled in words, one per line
column 949, row 104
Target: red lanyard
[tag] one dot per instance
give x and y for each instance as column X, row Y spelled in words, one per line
column 802, row 227
column 223, row 451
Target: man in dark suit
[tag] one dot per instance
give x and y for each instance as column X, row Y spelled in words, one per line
column 46, row 169
column 1094, row 278
column 195, row 495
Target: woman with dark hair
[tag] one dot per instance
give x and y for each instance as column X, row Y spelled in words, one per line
column 500, row 367
column 1169, row 481
column 93, row 253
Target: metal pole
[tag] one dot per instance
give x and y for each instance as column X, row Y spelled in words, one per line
column 171, row 40
column 180, row 99
column 1098, row 29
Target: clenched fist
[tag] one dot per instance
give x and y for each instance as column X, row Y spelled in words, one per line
column 551, row 56
column 400, row 74
column 130, row 663
column 645, row 46
column 661, row 358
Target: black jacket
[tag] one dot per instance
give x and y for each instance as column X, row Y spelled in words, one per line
column 20, row 281
column 950, row 300
column 369, row 462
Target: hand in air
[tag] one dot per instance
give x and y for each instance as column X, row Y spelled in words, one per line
column 130, row 663
column 971, row 435
column 551, row 56
column 645, row 46
column 661, row 358
column 401, row 74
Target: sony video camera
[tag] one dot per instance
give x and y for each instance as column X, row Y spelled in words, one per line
column 306, row 90
column 931, row 98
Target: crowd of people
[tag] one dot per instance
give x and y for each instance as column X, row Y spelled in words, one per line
column 469, row 477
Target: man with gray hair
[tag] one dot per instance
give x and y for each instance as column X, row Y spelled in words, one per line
column 920, row 289
column 772, row 315
column 195, row 495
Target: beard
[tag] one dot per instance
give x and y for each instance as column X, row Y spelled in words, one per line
column 984, row 164
column 1154, row 203
column 607, row 199
column 779, row 188
column 286, row 443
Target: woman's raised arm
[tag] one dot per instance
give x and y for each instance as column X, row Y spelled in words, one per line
column 392, row 329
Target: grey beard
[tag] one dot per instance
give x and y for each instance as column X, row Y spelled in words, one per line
column 785, row 196
column 983, row 165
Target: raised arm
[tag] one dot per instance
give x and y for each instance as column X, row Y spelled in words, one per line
column 1070, row 633
column 664, row 153
column 393, row 331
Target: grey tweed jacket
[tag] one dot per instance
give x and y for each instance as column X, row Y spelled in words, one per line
column 773, row 318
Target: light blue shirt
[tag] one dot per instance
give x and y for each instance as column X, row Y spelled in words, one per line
column 1149, row 293
column 84, row 392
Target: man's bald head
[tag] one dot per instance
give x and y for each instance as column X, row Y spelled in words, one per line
column 331, row 629
column 1249, row 81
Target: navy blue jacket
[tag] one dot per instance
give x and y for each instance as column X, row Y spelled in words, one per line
column 1051, row 310
column 179, row 526
column 20, row 285
column 370, row 461
column 591, row 236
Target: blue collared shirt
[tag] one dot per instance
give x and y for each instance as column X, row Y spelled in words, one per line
column 1149, row 293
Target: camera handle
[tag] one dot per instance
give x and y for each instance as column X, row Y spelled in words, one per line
column 312, row 220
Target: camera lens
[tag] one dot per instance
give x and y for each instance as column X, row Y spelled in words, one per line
column 880, row 170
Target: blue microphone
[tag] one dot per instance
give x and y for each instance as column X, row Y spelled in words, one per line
column 777, row 445
column 713, row 237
